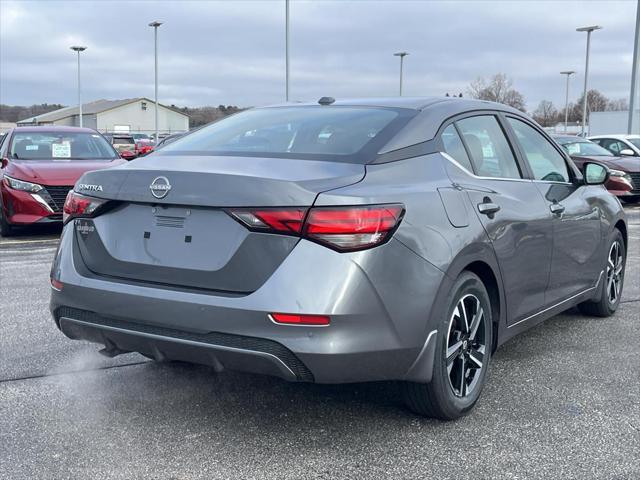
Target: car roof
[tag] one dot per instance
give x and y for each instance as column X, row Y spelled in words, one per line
column 616, row 136
column 53, row 128
column 412, row 103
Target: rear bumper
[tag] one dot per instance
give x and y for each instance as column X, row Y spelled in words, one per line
column 379, row 303
column 215, row 349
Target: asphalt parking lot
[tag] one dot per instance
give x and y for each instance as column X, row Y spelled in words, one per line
column 563, row 401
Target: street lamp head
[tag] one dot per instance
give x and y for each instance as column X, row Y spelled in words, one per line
column 567, row 72
column 76, row 48
column 400, row 54
column 589, row 29
column 155, row 24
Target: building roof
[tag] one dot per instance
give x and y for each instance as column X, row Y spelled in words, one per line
column 90, row 108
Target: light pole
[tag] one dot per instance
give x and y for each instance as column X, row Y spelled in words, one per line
column 401, row 55
column 634, row 105
column 568, row 73
column 586, row 73
column 155, row 26
column 79, row 49
column 286, row 51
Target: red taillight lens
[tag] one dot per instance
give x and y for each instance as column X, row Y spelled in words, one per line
column 76, row 205
column 352, row 228
column 275, row 220
column 341, row 228
column 292, row 319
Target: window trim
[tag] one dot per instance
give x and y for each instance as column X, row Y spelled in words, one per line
column 574, row 173
column 525, row 174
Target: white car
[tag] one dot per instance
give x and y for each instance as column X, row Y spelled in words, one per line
column 627, row 145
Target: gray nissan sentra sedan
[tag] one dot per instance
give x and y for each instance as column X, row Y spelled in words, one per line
column 342, row 241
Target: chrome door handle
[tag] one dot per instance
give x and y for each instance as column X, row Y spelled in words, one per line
column 488, row 208
column 556, row 208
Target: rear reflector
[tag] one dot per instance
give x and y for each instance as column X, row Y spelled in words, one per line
column 76, row 205
column 340, row 228
column 56, row 284
column 291, row 319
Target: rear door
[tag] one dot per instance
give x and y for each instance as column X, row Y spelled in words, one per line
column 576, row 262
column 509, row 206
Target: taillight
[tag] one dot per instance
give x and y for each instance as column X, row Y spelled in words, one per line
column 341, row 228
column 274, row 220
column 352, row 228
column 76, row 205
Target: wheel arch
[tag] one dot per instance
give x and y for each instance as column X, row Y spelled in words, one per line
column 480, row 259
column 622, row 226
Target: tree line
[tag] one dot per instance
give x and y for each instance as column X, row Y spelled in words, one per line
column 499, row 88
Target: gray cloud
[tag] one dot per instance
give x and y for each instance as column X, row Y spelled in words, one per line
column 232, row 52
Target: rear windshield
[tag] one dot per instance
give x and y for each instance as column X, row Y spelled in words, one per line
column 123, row 140
column 329, row 133
column 60, row 145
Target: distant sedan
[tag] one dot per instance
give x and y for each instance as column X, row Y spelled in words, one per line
column 40, row 165
column 624, row 181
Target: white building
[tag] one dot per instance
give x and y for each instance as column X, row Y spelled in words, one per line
column 608, row 123
column 129, row 115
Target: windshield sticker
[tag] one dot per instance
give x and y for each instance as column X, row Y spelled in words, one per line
column 573, row 148
column 31, row 147
column 61, row 150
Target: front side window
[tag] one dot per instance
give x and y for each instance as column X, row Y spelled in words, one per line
column 635, row 142
column 488, row 147
column 453, row 146
column 60, row 145
column 545, row 161
column 305, row 132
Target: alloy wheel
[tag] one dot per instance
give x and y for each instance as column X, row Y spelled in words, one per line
column 615, row 267
column 466, row 345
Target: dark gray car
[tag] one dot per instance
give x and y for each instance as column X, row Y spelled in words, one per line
column 345, row 241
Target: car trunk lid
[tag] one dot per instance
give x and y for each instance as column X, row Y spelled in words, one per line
column 181, row 235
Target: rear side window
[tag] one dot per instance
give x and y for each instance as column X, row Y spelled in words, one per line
column 453, row 146
column 488, row 147
column 307, row 132
column 545, row 161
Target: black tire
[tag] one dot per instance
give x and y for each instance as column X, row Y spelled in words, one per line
column 6, row 229
column 439, row 398
column 603, row 305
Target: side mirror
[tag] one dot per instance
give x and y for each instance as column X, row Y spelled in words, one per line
column 595, row 173
column 627, row 152
column 4, row 162
column 127, row 155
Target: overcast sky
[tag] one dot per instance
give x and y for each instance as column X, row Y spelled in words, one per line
column 232, row 52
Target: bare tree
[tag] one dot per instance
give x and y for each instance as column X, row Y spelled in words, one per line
column 596, row 102
column 618, row 105
column 498, row 89
column 546, row 114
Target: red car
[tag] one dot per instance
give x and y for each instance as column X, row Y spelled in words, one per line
column 624, row 181
column 40, row 165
